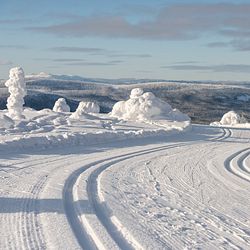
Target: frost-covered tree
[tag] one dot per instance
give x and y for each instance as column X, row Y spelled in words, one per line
column 85, row 108
column 232, row 118
column 145, row 107
column 17, row 89
column 61, row 106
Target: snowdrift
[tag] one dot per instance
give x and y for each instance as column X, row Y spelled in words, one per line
column 46, row 128
column 146, row 107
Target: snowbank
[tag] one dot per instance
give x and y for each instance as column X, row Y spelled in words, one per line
column 231, row 118
column 61, row 106
column 146, row 107
column 17, row 88
column 80, row 138
column 46, row 128
column 85, row 108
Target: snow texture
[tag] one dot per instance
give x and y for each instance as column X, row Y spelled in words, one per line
column 146, row 107
column 17, row 88
column 85, row 108
column 61, row 106
column 5, row 122
column 184, row 191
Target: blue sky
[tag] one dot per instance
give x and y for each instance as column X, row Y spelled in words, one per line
column 164, row 39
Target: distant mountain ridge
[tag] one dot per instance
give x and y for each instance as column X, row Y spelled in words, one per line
column 43, row 75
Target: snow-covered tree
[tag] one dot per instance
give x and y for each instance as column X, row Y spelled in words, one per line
column 85, row 108
column 17, row 89
column 61, row 106
column 146, row 106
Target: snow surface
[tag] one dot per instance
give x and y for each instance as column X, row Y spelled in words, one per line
column 61, row 106
column 5, row 122
column 186, row 190
column 46, row 128
column 17, row 88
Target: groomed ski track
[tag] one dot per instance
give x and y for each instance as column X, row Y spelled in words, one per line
column 152, row 193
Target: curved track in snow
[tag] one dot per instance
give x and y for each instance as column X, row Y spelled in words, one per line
column 236, row 164
column 131, row 195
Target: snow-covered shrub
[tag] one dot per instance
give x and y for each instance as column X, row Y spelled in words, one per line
column 61, row 106
column 17, row 88
column 85, row 108
column 232, row 118
column 146, row 106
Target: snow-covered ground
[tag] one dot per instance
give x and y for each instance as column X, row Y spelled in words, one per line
column 104, row 183
column 140, row 177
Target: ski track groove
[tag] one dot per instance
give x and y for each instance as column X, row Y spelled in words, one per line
column 238, row 168
column 208, row 216
column 68, row 197
column 214, row 221
column 29, row 229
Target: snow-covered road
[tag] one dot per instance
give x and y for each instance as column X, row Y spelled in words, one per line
column 189, row 190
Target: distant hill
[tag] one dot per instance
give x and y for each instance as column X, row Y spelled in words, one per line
column 202, row 101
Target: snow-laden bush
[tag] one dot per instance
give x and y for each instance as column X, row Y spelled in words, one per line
column 232, row 118
column 17, row 88
column 61, row 106
column 146, row 106
column 85, row 108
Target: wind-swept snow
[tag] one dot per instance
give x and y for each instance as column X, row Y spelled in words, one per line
column 17, row 88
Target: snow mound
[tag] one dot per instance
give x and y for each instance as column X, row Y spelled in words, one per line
column 85, row 108
column 61, row 106
column 6, row 122
column 17, row 88
column 146, row 107
column 231, row 118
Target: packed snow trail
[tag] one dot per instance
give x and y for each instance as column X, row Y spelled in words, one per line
column 184, row 191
